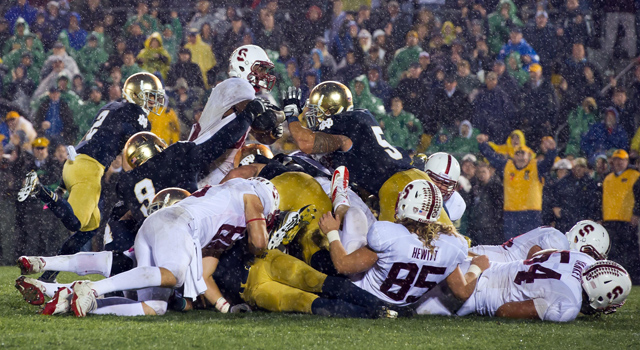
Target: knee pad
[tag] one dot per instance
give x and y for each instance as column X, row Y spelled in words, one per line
column 160, row 307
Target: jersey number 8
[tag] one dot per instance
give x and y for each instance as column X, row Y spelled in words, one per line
column 145, row 192
column 406, row 282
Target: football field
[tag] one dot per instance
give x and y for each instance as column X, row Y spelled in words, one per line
column 22, row 328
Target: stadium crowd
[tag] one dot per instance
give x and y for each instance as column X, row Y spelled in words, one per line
column 497, row 83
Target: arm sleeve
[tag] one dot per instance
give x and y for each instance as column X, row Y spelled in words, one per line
column 376, row 237
column 494, row 159
column 544, row 166
column 558, row 311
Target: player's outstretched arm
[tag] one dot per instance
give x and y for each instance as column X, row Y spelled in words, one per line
column 256, row 223
column 347, row 264
column 316, row 142
column 463, row 286
column 213, row 294
column 518, row 309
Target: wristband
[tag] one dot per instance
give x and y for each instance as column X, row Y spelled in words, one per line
column 222, row 305
column 474, row 269
column 257, row 219
column 333, row 235
column 292, row 118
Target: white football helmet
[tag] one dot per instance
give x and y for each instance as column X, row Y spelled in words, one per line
column 269, row 197
column 252, row 63
column 444, row 170
column 420, row 201
column 607, row 285
column 589, row 237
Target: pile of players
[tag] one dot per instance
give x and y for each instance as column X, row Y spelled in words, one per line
column 209, row 222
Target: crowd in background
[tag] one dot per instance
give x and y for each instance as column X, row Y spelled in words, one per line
column 497, row 83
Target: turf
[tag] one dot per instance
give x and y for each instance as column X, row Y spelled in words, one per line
column 21, row 327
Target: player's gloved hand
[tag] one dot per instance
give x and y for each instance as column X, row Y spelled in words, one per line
column 292, row 104
column 278, row 131
column 240, row 308
column 253, row 109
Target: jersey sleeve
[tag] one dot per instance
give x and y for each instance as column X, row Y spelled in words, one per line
column 553, row 239
column 561, row 310
column 379, row 234
column 350, row 124
column 206, row 151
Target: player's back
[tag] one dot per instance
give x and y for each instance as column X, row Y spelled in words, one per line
column 372, row 159
column 170, row 168
column 518, row 248
column 406, row 268
column 114, row 124
column 218, row 213
column 553, row 280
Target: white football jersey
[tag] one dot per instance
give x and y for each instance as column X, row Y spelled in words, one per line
column 218, row 213
column 406, row 269
column 518, row 248
column 553, row 280
column 455, row 206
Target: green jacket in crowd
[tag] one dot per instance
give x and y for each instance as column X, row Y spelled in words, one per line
column 366, row 100
column 398, row 131
column 401, row 62
column 89, row 60
column 579, row 122
column 519, row 74
column 85, row 116
column 499, row 26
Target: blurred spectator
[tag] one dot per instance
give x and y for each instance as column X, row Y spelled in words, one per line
column 207, row 35
column 467, row 82
column 523, row 183
column 136, row 38
column 362, row 97
column 17, row 41
column 621, row 213
column 79, row 88
column 464, row 141
column 337, row 18
column 620, row 13
column 35, row 226
column 626, row 117
column 114, row 92
column 73, row 37
column 542, row 38
column 328, row 62
column 166, row 125
column 201, row 54
column 31, row 48
column 312, row 24
column 91, row 58
column 60, row 155
column 89, row 111
column 575, row 197
column 515, row 140
column 450, row 105
column 154, row 58
column 142, row 18
column 129, row 66
column 579, row 122
column 413, row 92
column 172, row 36
column 573, row 67
column 507, row 83
column 403, row 58
column 515, row 69
column 186, row 69
column 500, row 23
column 20, row 88
column 485, row 216
column 378, row 87
column 60, row 54
column 43, row 30
column 605, row 135
column 202, row 16
column 561, row 168
column 351, row 70
column 55, row 120
column 233, row 37
column 268, row 36
column 91, row 13
column 17, row 130
column 183, row 100
column 56, row 18
column 21, row 9
column 395, row 23
column 574, row 25
column 401, row 128
column 5, row 33
column 493, row 111
column 540, row 107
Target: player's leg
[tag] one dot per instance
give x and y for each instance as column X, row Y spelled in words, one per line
column 83, row 180
column 34, row 291
column 354, row 230
column 85, row 263
column 71, row 245
column 495, row 252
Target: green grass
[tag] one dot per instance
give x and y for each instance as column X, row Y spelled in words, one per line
column 21, row 327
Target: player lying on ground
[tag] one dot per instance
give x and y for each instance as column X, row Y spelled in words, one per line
column 403, row 260
column 169, row 244
column 551, row 286
column 585, row 236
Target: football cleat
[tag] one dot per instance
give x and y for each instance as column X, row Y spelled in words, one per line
column 84, row 298
column 307, row 213
column 30, row 187
column 339, row 186
column 30, row 264
column 386, row 312
column 59, row 304
column 31, row 289
column 289, row 227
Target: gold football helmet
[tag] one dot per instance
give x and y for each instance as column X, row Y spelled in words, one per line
column 326, row 99
column 141, row 147
column 145, row 90
column 243, row 157
column 166, row 198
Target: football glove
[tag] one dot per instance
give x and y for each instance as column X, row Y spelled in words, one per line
column 292, row 103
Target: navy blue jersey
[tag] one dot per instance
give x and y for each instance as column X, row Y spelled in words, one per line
column 233, row 270
column 111, row 129
column 171, row 168
column 371, row 160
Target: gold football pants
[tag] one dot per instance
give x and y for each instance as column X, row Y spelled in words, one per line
column 83, row 177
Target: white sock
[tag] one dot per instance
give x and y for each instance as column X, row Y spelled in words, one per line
column 137, row 278
column 52, row 288
column 119, row 307
column 84, row 263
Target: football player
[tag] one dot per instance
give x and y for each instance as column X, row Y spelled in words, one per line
column 552, row 286
column 586, row 236
column 444, row 170
column 170, row 243
column 249, row 69
column 351, row 138
column 82, row 173
column 404, row 260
